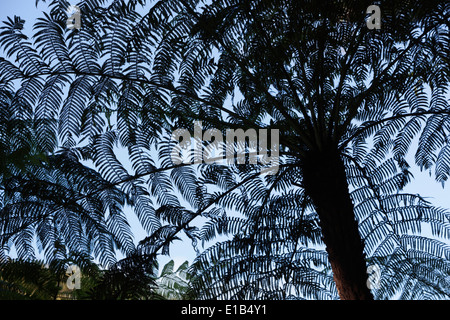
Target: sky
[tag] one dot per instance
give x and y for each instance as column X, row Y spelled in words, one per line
column 423, row 183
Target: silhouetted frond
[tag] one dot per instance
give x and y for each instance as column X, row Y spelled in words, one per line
column 86, row 123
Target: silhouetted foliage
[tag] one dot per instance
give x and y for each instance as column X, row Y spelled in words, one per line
column 34, row 280
column 349, row 104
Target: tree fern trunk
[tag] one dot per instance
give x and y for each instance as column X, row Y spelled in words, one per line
column 325, row 182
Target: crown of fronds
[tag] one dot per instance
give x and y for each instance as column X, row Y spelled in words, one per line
column 137, row 70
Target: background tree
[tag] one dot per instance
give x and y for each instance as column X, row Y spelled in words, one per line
column 35, row 280
column 173, row 284
column 348, row 101
column 27, row 280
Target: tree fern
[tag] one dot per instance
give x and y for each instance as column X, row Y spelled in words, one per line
column 312, row 70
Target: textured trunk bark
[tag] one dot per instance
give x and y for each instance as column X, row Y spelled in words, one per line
column 325, row 182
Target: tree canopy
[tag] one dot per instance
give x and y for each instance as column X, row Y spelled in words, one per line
column 350, row 105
